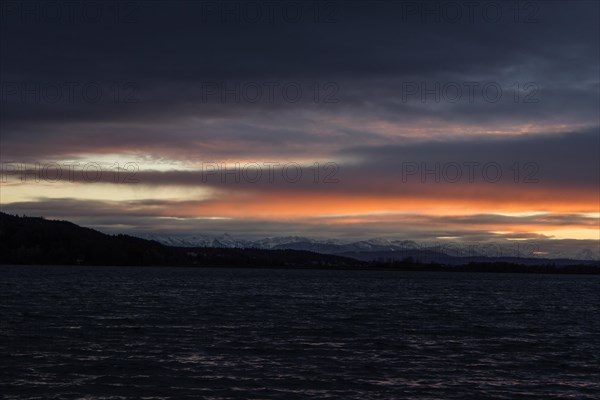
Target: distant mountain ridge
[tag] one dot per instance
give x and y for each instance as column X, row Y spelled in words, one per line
column 368, row 250
column 285, row 242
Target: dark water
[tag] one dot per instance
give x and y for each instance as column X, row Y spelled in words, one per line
column 173, row 333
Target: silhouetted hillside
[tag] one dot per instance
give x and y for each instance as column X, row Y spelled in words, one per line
column 29, row 240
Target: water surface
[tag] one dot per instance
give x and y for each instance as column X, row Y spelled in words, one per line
column 176, row 333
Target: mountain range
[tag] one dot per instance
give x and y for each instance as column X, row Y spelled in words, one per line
column 376, row 249
column 35, row 240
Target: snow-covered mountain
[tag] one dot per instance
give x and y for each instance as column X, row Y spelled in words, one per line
column 224, row 240
column 228, row 241
column 371, row 249
column 284, row 242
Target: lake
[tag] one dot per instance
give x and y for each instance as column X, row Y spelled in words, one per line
column 183, row 333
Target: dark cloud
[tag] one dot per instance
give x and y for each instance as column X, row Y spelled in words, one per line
column 164, row 58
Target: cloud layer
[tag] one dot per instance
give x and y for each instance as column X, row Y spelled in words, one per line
column 426, row 119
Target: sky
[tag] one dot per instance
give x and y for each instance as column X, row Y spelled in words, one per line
column 433, row 121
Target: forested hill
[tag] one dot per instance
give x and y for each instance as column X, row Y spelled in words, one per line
column 33, row 240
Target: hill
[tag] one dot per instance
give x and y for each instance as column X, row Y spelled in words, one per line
column 33, row 240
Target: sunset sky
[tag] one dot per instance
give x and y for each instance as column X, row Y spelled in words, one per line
column 425, row 121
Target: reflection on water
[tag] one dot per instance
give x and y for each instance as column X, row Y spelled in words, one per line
column 175, row 333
